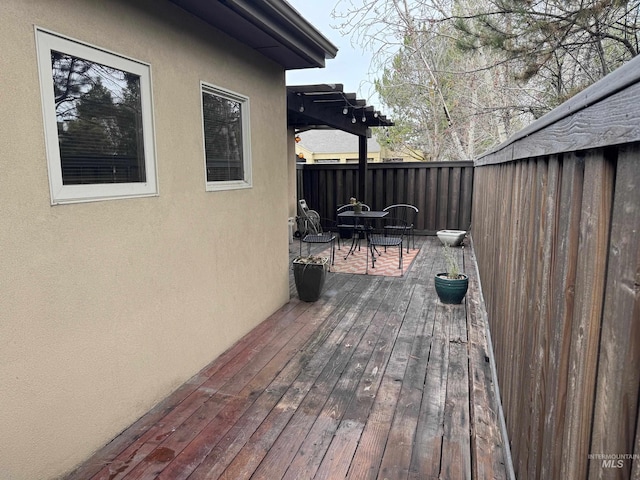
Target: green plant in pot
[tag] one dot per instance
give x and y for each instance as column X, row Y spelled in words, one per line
column 452, row 285
column 309, row 274
column 357, row 206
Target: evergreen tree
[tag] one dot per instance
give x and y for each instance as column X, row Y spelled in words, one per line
column 555, row 46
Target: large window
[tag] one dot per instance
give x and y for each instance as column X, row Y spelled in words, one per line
column 98, row 122
column 226, row 139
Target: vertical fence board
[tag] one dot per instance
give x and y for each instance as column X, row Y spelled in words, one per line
column 340, row 186
column 519, row 375
column 545, row 185
column 421, row 198
column 377, row 192
column 351, row 182
column 391, row 182
column 466, row 197
column 411, row 193
column 563, row 277
column 547, row 235
column 536, row 262
column 331, row 189
column 453, row 198
column 442, row 197
column 513, row 250
column 431, row 206
column 400, row 190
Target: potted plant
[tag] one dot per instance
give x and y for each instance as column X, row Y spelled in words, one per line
column 452, row 285
column 309, row 274
column 357, row 206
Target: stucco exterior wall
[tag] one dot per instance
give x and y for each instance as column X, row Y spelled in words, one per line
column 106, row 307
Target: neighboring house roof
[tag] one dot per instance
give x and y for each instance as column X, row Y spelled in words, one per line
column 334, row 141
column 272, row 27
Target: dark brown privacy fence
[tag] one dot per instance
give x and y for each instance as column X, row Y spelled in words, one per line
column 442, row 191
column 556, row 232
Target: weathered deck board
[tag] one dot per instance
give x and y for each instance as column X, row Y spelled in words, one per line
column 425, row 461
column 376, row 379
column 488, row 460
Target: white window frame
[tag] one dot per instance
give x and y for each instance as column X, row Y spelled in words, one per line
column 60, row 193
column 247, row 181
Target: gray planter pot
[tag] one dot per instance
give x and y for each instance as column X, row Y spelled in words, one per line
column 310, row 278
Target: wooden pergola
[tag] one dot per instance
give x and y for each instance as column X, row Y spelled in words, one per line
column 328, row 106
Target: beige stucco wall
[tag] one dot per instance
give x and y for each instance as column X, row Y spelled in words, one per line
column 106, row 307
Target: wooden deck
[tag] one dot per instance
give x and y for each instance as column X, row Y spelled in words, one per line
column 377, row 379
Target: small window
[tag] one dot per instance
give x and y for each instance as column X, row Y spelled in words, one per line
column 225, row 119
column 98, row 122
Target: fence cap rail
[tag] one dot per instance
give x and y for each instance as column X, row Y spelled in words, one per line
column 385, row 165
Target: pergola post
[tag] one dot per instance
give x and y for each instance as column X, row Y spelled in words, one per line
column 362, row 169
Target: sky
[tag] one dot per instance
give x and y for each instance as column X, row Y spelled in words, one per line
column 351, row 64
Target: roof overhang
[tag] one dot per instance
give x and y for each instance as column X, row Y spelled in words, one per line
column 272, row 27
column 318, row 106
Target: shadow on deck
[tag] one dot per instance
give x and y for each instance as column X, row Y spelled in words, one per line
column 376, row 379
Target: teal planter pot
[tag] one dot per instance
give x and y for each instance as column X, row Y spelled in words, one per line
column 451, row 291
column 310, row 277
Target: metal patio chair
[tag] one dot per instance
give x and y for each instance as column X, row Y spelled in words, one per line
column 382, row 237
column 407, row 213
column 313, row 232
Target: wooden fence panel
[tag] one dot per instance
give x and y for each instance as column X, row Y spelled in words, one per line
column 558, row 251
column 619, row 366
column 442, row 191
